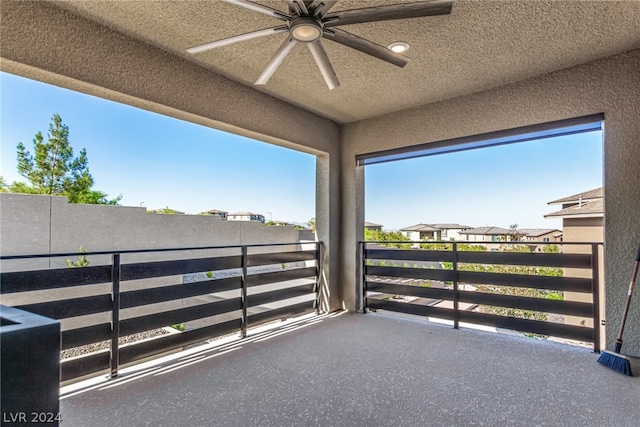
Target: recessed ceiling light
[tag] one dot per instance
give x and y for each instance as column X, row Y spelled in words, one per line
column 305, row 29
column 399, row 47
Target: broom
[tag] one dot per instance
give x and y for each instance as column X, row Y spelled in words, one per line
column 613, row 359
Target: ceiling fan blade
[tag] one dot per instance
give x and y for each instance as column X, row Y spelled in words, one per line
column 274, row 13
column 320, row 8
column 238, row 38
column 320, row 55
column 297, row 6
column 366, row 46
column 385, row 13
column 275, row 62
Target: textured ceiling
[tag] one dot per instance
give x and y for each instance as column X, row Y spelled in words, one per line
column 480, row 45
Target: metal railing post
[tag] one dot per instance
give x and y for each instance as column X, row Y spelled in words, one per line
column 595, row 289
column 319, row 261
column 114, row 359
column 456, row 296
column 363, row 276
column 243, row 296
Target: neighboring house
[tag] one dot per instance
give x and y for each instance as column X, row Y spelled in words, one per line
column 215, row 212
column 372, row 226
column 584, row 209
column 582, row 217
column 540, row 234
column 451, row 231
column 245, row 216
column 420, row 232
column 489, row 234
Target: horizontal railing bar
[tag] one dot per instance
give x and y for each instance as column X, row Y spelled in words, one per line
column 416, row 291
column 529, row 325
column 409, row 255
column 573, row 284
column 527, row 259
column 281, row 257
column 158, row 320
column 408, row 308
column 410, row 273
column 261, row 245
column 155, row 295
column 281, row 276
column 280, row 294
column 87, row 335
column 25, row 281
column 62, row 309
column 147, row 270
column 93, row 363
column 478, row 243
column 143, row 251
column 282, row 312
column 570, row 308
column 165, row 343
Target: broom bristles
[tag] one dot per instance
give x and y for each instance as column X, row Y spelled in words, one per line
column 615, row 361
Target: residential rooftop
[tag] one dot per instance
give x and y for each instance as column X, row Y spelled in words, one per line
column 596, row 193
column 536, row 232
column 244, row 214
column 488, row 230
column 214, row 212
column 435, row 227
column 589, row 208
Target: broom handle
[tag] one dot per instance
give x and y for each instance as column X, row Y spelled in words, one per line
column 628, row 303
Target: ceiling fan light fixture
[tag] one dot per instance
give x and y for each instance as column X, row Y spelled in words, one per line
column 309, row 21
column 305, row 30
column 399, row 47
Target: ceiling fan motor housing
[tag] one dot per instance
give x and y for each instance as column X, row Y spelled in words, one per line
column 305, row 29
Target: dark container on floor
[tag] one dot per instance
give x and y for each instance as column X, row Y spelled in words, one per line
column 30, row 364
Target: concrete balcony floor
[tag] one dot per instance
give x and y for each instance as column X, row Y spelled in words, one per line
column 348, row 369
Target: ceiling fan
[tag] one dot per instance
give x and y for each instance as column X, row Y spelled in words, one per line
column 308, row 21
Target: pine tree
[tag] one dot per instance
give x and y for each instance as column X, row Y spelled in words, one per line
column 54, row 170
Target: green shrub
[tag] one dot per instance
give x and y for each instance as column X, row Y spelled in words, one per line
column 179, row 327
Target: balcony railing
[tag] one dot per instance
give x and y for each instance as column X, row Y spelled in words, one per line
column 216, row 291
column 463, row 285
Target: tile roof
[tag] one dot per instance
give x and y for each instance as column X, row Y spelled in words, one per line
column 451, row 226
column 435, row 227
column 596, row 193
column 536, row 232
column 421, row 227
column 488, row 231
column 371, row 224
column 244, row 214
column 591, row 208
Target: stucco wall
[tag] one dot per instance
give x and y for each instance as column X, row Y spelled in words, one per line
column 32, row 224
column 610, row 86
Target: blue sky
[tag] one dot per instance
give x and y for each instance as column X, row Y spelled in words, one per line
column 496, row 186
column 159, row 161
